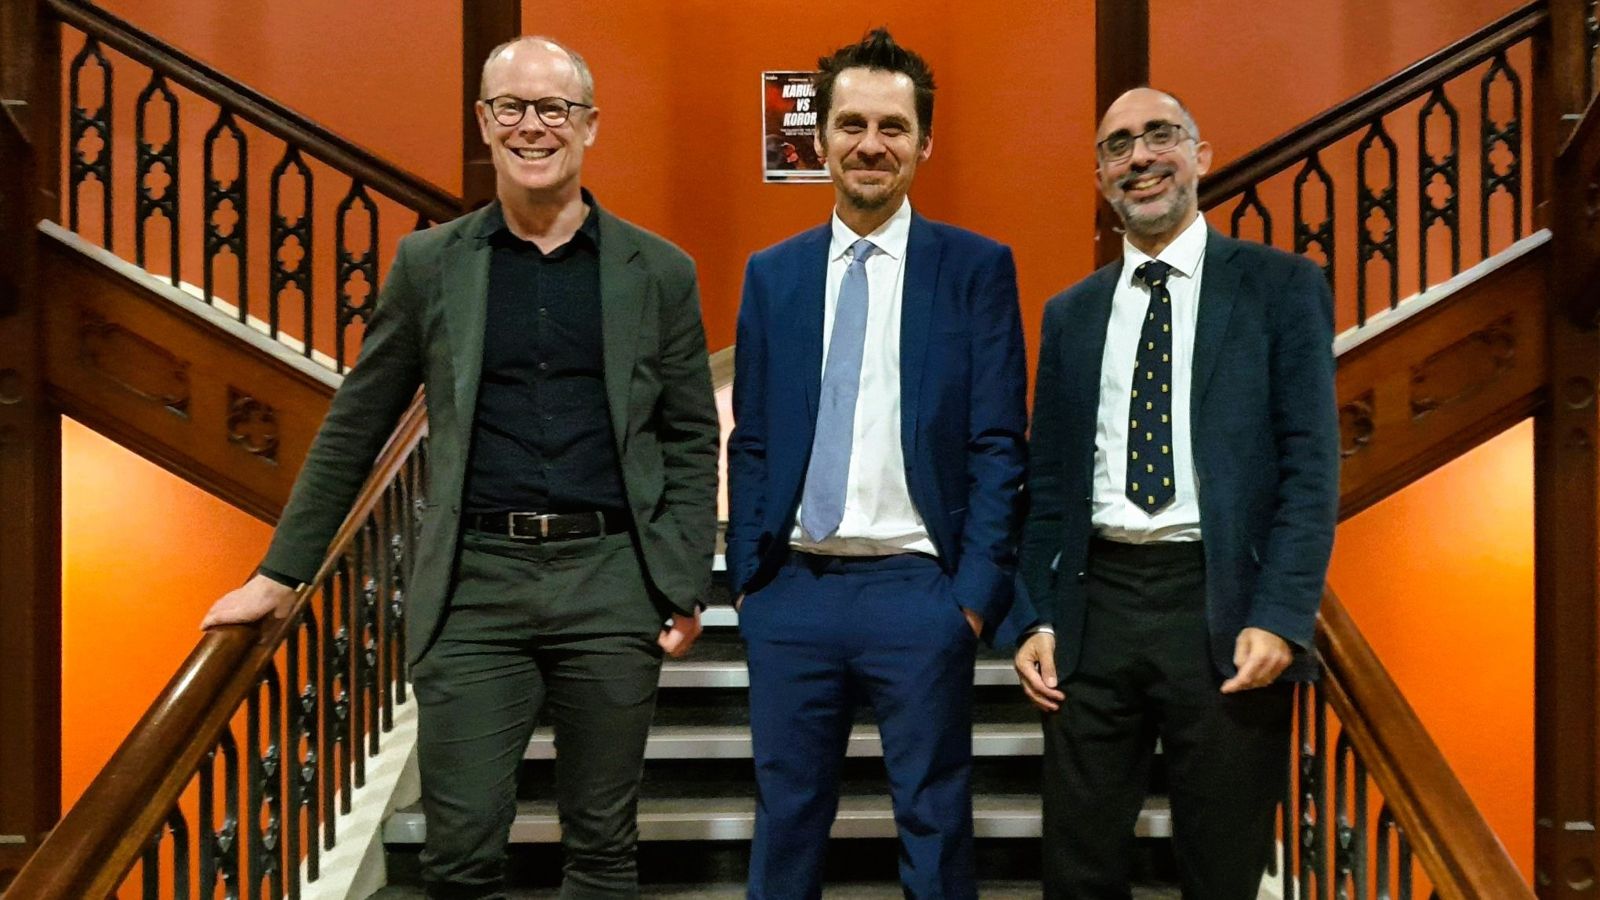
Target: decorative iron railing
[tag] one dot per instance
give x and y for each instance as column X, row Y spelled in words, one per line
column 238, row 773
column 318, row 286
column 1383, row 191
column 1392, row 822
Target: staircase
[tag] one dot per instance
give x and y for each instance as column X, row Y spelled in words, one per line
column 246, row 771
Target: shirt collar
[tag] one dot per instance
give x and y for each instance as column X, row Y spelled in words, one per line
column 500, row 234
column 1183, row 254
column 890, row 238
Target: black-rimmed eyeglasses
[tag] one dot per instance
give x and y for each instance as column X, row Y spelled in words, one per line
column 552, row 111
column 1157, row 139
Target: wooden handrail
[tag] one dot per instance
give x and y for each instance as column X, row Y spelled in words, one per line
column 102, row 836
column 1456, row 847
column 276, row 119
column 1388, row 95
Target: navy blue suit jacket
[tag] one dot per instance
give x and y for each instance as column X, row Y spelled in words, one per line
column 962, row 399
column 1265, row 432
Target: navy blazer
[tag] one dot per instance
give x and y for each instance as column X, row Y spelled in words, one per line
column 962, row 398
column 1265, row 431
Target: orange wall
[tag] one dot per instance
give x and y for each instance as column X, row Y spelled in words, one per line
column 144, row 554
column 679, row 145
column 1440, row 579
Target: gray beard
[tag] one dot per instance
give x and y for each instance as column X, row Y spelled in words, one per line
column 1154, row 225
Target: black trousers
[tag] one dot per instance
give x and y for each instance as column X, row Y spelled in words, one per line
column 1146, row 673
column 566, row 629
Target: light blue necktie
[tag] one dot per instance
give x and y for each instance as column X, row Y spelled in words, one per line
column 822, row 504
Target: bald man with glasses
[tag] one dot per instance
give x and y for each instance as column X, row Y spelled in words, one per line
column 571, row 497
column 1184, row 482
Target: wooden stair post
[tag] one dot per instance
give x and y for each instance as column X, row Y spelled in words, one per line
column 485, row 24
column 30, row 445
column 1567, row 479
column 1122, row 63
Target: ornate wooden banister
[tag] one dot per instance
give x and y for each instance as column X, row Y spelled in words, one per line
column 271, row 116
column 1350, row 149
column 316, row 302
column 135, row 794
column 1437, row 820
column 1346, row 118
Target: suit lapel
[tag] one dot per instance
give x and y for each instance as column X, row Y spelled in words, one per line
column 811, row 294
column 923, row 253
column 464, row 291
column 622, row 302
column 1219, row 286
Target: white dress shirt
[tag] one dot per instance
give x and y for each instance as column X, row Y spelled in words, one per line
column 1114, row 516
column 878, row 518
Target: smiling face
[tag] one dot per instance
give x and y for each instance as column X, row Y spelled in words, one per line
column 533, row 158
column 871, row 141
column 1155, row 194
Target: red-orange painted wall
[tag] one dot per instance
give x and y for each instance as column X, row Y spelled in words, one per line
column 144, row 554
column 679, row 153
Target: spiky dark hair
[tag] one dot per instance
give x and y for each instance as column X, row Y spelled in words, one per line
column 877, row 50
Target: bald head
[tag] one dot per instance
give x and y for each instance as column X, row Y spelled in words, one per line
column 1145, row 98
column 533, row 49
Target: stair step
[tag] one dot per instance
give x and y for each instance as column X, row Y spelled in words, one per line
column 725, row 819
column 733, row 742
column 988, row 890
column 693, row 673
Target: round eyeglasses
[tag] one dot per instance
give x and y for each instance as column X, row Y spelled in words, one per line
column 552, row 111
column 1157, row 139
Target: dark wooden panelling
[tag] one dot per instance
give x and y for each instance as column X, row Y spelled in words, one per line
column 183, row 391
column 1434, row 387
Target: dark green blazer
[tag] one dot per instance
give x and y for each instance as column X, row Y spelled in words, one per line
column 428, row 330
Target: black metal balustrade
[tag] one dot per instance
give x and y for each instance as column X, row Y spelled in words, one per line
column 316, row 301
column 1334, row 843
column 310, row 721
column 1355, row 176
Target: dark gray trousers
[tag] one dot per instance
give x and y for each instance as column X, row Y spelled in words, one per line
column 567, row 629
column 1146, row 673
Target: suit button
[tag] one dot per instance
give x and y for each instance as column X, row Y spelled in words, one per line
column 1083, row 576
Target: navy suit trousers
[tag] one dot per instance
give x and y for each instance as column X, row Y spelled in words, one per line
column 824, row 631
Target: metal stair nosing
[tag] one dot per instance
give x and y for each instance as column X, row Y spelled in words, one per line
column 725, row 819
column 733, row 742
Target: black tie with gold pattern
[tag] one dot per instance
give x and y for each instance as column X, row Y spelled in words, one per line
column 1150, row 471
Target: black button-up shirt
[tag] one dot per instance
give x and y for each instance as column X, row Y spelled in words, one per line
column 542, row 438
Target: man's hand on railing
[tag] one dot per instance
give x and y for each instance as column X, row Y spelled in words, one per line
column 1261, row 657
column 1036, row 667
column 679, row 636
column 252, row 602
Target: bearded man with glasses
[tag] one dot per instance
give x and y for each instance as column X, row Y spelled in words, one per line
column 571, row 498
column 1184, row 482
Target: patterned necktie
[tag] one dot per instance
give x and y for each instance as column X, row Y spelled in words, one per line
column 822, row 504
column 1150, row 470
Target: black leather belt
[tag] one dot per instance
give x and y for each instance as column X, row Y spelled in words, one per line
column 545, row 527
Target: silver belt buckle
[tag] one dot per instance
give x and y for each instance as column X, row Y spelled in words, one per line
column 513, row 520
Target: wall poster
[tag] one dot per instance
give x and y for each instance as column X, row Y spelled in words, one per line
column 789, row 119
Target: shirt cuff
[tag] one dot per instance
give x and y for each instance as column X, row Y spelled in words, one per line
column 1039, row 629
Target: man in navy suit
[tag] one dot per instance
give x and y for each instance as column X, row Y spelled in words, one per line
column 873, row 484
column 1184, row 488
